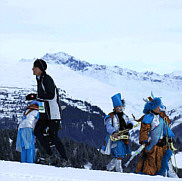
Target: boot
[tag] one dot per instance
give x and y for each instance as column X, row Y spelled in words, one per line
column 47, row 160
column 119, row 165
column 111, row 165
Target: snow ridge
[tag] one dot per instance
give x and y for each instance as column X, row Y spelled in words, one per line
column 83, row 66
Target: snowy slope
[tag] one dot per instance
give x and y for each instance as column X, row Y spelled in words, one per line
column 13, row 171
column 178, row 158
column 176, row 115
column 97, row 83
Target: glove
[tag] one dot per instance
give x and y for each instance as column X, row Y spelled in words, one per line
column 31, row 96
column 115, row 134
column 129, row 126
column 170, row 140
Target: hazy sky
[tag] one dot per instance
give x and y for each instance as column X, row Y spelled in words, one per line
column 136, row 34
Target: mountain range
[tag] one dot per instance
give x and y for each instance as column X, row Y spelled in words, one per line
column 92, row 84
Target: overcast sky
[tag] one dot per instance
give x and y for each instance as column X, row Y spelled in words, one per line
column 137, row 34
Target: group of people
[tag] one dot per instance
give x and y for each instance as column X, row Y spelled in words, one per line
column 155, row 137
column 45, row 112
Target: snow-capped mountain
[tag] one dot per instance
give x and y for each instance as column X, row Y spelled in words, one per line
column 81, row 121
column 87, row 68
column 95, row 84
column 129, row 81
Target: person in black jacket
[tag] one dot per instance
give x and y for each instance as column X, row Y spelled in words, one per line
column 50, row 109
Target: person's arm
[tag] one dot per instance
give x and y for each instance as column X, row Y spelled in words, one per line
column 49, row 88
column 129, row 124
column 110, row 129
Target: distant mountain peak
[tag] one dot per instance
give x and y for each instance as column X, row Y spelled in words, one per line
column 65, row 59
column 104, row 72
column 90, row 69
column 150, row 73
column 176, row 75
column 56, row 57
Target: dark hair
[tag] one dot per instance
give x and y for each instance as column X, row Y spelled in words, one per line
column 123, row 101
column 41, row 64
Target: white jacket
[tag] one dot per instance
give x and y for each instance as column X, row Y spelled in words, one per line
column 112, row 125
column 29, row 120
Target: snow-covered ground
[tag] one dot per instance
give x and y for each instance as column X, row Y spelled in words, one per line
column 14, row 171
column 178, row 158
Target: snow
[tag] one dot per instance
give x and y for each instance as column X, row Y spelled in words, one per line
column 88, row 166
column 174, row 113
column 2, row 96
column 90, row 124
column 176, row 73
column 178, row 158
column 14, row 171
column 51, row 56
column 10, row 141
column 95, row 86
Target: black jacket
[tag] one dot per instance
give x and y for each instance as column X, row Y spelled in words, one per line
column 48, row 93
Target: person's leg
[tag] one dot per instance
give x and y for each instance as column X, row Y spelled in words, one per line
column 40, row 127
column 23, row 155
column 30, row 155
column 111, row 164
column 53, row 131
column 120, row 152
column 119, row 165
column 164, row 163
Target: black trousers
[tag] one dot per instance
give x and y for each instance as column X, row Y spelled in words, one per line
column 53, row 126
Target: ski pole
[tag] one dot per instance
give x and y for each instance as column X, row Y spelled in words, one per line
column 138, row 151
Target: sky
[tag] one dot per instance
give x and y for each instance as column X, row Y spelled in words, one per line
column 140, row 35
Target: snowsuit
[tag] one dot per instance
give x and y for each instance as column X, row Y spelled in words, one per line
column 154, row 158
column 50, row 114
column 115, row 122
column 25, row 138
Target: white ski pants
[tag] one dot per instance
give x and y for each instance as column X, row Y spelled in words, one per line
column 115, row 163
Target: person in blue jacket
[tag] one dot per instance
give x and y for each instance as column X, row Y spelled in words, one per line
column 116, row 121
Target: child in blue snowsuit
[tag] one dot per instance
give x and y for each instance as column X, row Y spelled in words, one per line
column 25, row 139
column 115, row 122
